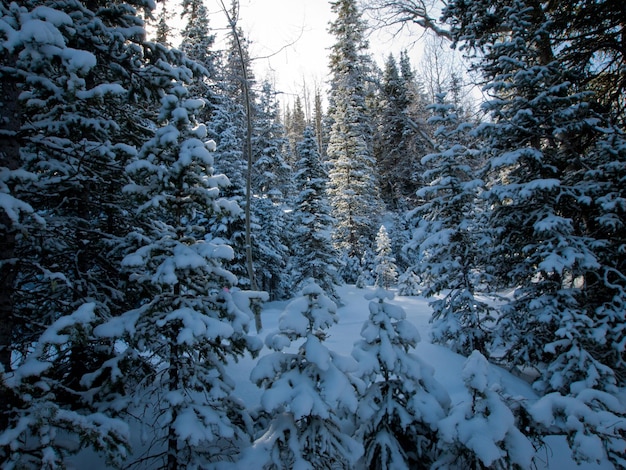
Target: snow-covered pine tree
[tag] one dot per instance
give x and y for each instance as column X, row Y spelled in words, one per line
column 236, row 90
column 353, row 187
column 271, row 251
column 227, row 129
column 447, row 237
column 271, row 174
column 308, row 392
column 162, row 24
column 55, row 421
column 540, row 248
column 399, row 145
column 409, row 283
column 271, row 178
column 364, row 269
column 73, row 74
column 604, row 211
column 313, row 255
column 186, row 325
column 295, row 123
column 545, row 134
column 197, row 42
column 482, row 432
column 391, row 148
column 384, row 262
column 556, row 159
column 318, row 123
column 402, row 402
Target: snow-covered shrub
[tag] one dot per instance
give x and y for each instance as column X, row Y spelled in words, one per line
column 56, row 417
column 384, row 262
column 482, row 432
column 307, row 392
column 402, row 402
column 593, row 422
column 409, row 283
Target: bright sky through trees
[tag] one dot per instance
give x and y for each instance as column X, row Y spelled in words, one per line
column 290, row 40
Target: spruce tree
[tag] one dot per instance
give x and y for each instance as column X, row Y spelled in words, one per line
column 555, row 153
column 399, row 144
column 385, row 264
column 545, row 132
column 353, row 189
column 226, row 129
column 180, row 335
column 270, row 181
column 164, row 29
column 234, row 134
column 295, row 126
column 402, row 403
column 482, row 432
column 88, row 85
column 308, row 392
column 313, row 255
column 448, row 240
column 271, row 173
column 197, row 42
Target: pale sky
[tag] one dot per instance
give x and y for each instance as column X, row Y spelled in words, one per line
column 295, row 34
column 296, row 31
column 290, row 41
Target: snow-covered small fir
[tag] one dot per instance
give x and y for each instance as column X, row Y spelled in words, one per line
column 384, row 262
column 402, row 403
column 313, row 253
column 482, row 432
column 308, row 392
column 448, row 240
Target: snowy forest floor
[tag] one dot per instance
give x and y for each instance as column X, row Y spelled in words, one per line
column 353, row 312
column 447, row 364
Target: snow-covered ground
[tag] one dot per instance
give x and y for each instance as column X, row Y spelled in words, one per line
column 447, row 365
column 342, row 336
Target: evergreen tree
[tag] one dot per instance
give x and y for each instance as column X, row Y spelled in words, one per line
column 386, row 270
column 271, row 177
column 555, row 175
column 391, row 131
column 585, row 30
column 295, row 126
column 88, row 84
column 227, row 129
column 271, row 251
column 197, row 43
column 237, row 124
column 353, row 188
column 534, row 192
column 313, row 255
column 544, row 134
column 399, row 145
column 318, row 120
column 187, row 325
column 448, row 238
column 482, row 432
column 307, row 392
column 163, row 31
column 271, row 173
column 402, row 403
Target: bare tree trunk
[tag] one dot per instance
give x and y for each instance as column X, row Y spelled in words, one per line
column 246, row 92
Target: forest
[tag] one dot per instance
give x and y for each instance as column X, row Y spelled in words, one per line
column 155, row 195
